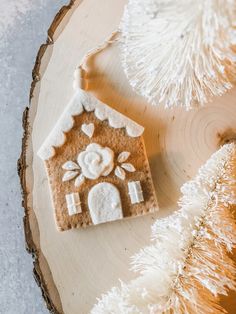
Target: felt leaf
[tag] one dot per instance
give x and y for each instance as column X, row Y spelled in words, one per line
column 69, row 175
column 79, row 180
column 128, row 167
column 120, row 173
column 123, row 156
column 70, row 165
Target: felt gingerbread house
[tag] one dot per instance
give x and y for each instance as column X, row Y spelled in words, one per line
column 96, row 164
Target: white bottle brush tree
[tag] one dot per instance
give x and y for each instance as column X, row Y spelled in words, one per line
column 187, row 266
column 179, row 52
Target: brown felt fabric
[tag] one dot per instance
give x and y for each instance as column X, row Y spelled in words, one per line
column 118, row 141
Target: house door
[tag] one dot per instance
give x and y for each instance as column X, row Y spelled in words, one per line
column 104, row 203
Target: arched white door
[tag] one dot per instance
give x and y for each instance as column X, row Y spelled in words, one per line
column 104, row 203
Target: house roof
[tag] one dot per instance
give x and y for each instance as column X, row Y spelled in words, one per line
column 85, row 101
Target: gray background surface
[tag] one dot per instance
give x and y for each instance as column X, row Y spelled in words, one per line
column 23, row 27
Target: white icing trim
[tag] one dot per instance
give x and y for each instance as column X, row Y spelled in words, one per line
column 64, row 124
column 73, row 204
column 81, row 101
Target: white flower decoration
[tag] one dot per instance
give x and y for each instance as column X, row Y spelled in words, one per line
column 96, row 161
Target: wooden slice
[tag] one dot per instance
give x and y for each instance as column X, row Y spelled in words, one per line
column 73, row 268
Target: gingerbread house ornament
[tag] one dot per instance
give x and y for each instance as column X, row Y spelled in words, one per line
column 96, row 164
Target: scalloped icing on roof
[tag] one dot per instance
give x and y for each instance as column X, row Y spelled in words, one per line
column 81, row 101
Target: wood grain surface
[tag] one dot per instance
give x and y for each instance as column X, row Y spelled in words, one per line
column 75, row 267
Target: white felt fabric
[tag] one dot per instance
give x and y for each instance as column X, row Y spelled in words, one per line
column 96, row 161
column 88, row 129
column 81, row 101
column 135, row 192
column 73, row 204
column 104, row 203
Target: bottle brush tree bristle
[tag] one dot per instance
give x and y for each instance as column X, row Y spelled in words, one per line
column 179, row 52
column 188, row 265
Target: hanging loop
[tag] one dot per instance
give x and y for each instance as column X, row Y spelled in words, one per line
column 81, row 72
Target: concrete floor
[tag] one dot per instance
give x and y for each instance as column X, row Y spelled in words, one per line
column 23, row 27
